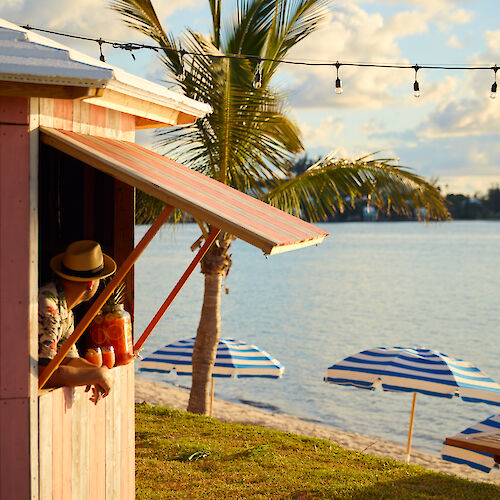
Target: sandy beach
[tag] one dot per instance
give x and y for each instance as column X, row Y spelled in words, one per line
column 175, row 397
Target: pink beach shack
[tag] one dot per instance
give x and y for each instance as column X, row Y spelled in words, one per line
column 69, row 167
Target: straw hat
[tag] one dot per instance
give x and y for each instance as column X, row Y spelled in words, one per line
column 83, row 261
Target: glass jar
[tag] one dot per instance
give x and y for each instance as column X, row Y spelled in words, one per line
column 113, row 327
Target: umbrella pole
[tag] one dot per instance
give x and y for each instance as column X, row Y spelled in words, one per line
column 410, row 429
column 211, row 396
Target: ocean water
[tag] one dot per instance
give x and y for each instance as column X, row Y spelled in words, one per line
column 368, row 285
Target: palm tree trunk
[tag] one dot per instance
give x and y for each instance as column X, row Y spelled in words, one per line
column 214, row 265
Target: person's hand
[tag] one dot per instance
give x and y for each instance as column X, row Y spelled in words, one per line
column 102, row 386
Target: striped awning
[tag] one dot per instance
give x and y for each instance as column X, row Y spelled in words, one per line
column 270, row 229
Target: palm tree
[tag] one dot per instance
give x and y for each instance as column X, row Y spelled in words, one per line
column 248, row 141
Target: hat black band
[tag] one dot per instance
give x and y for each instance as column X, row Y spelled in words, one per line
column 90, row 273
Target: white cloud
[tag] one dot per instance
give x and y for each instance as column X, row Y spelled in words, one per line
column 442, row 12
column 434, row 91
column 445, row 18
column 323, row 135
column 352, row 35
column 454, row 42
column 458, row 118
column 468, row 184
column 86, row 17
column 492, row 41
column 89, row 17
column 356, row 35
column 466, row 110
column 372, row 127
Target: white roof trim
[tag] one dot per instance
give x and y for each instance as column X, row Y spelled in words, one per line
column 31, row 58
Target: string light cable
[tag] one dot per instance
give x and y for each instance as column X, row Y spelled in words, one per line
column 257, row 81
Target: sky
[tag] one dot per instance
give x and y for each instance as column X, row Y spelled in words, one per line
column 451, row 133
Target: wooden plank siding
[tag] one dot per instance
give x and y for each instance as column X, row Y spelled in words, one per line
column 87, row 451
column 16, row 297
column 92, row 445
column 79, row 116
column 34, row 139
column 58, row 445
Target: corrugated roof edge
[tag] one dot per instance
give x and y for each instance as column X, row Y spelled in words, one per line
column 121, row 80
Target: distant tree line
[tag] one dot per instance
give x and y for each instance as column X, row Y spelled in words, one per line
column 461, row 207
column 485, row 206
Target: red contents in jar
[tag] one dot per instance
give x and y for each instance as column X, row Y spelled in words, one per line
column 114, row 328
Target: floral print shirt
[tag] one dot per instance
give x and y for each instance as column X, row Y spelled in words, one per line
column 55, row 322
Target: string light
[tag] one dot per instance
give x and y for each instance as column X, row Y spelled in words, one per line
column 101, row 55
column 338, row 82
column 257, row 82
column 493, row 92
column 416, row 86
column 257, row 79
column 181, row 75
column 130, row 47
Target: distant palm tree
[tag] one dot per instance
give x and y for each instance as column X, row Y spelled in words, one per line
column 247, row 142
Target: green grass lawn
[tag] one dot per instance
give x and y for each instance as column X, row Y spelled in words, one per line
column 185, row 456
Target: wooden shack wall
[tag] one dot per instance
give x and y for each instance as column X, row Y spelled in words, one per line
column 18, row 301
column 87, row 450
column 64, row 425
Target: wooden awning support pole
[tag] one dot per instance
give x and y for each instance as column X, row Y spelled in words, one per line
column 101, row 299
column 201, row 253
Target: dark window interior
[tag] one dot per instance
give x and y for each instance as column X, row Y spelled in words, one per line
column 78, row 202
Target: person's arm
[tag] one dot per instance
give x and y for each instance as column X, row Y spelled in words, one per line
column 75, row 372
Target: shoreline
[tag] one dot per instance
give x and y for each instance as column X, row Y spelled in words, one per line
column 156, row 393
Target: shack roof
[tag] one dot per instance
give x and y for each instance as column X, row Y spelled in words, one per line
column 39, row 66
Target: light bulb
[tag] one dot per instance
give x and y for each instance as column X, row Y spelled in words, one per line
column 101, row 55
column 181, row 76
column 416, row 89
column 493, row 92
column 338, row 86
column 257, row 81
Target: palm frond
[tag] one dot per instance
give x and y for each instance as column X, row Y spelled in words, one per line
column 249, row 34
column 148, row 208
column 327, row 186
column 247, row 139
column 215, row 10
column 294, row 21
column 140, row 15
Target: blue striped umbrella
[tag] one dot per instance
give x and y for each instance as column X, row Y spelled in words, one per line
column 413, row 370
column 234, row 359
column 490, row 429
